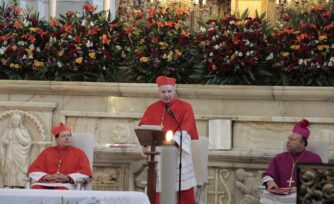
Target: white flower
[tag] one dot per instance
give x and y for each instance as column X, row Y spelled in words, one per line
column 24, row 57
column 203, row 29
column 300, row 61
column 31, row 46
column 59, row 64
column 118, row 47
column 83, row 23
column 331, row 59
column 26, row 22
column 216, row 47
column 21, row 43
column 213, row 37
column 270, row 56
column 2, row 50
column 89, row 44
column 211, row 54
column 38, row 49
column 330, row 64
column 232, row 22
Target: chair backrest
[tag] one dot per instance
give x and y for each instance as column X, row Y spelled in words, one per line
column 85, row 142
column 321, row 147
column 199, row 150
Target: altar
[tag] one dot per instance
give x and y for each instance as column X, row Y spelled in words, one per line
column 30, row 196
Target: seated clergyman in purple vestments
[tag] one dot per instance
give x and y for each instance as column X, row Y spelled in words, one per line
column 281, row 172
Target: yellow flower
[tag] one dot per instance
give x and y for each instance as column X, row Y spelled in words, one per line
column 178, row 53
column 29, row 52
column 295, row 47
column 14, row 47
column 92, row 55
column 177, row 26
column 61, row 53
column 78, row 60
column 38, row 63
column 33, row 29
column 322, row 37
column 163, row 45
column 322, row 47
column 144, row 59
column 285, row 54
column 142, row 41
column 78, row 47
column 15, row 66
column 202, row 43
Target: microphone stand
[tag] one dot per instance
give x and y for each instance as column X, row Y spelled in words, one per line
column 178, row 127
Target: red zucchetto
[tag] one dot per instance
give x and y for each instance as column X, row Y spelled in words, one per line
column 162, row 80
column 60, row 128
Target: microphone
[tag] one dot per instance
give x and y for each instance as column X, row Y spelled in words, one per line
column 169, row 111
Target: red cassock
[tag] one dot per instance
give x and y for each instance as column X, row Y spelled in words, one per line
column 70, row 161
column 156, row 114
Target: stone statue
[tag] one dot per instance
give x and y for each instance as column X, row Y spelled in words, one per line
column 248, row 185
column 15, row 145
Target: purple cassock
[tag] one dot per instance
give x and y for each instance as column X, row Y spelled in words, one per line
column 282, row 165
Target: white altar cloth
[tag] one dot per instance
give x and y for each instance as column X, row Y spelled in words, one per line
column 30, row 196
column 270, row 198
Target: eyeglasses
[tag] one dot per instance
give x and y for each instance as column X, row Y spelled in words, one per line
column 66, row 135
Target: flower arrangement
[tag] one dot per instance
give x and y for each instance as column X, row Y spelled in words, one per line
column 142, row 44
column 161, row 42
column 307, row 54
column 232, row 49
column 22, row 38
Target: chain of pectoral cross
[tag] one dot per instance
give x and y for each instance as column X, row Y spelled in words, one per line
column 290, row 181
column 58, row 167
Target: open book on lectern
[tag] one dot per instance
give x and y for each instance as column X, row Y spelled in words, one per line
column 149, row 135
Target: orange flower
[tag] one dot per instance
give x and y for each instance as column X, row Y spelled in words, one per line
column 93, row 31
column 68, row 28
column 136, row 11
column 152, row 12
column 185, row 34
column 105, row 40
column 88, row 7
column 181, row 11
column 160, row 24
column 302, row 37
column 169, row 24
column 54, row 22
column 163, row 11
column 17, row 25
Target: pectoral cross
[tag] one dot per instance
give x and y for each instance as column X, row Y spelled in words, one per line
column 58, row 167
column 290, row 181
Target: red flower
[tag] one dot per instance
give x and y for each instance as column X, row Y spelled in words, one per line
column 70, row 14
column 89, row 8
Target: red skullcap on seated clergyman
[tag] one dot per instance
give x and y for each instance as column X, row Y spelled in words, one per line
column 301, row 128
column 162, row 80
column 60, row 128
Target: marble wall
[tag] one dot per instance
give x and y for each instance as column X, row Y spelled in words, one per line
column 246, row 126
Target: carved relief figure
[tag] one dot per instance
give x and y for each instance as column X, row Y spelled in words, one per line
column 15, row 145
column 247, row 184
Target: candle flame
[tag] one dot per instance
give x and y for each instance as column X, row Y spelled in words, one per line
column 169, row 135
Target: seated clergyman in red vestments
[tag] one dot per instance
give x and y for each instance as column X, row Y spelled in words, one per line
column 60, row 166
column 156, row 114
column 281, row 172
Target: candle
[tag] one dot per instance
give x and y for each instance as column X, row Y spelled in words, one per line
column 106, row 5
column 168, row 170
column 52, row 8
